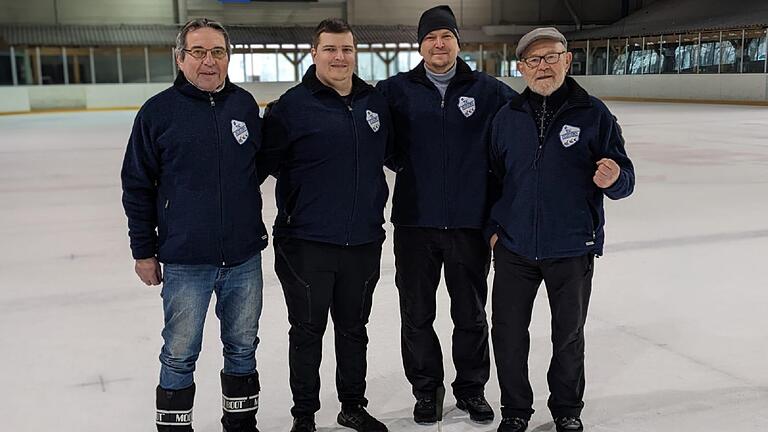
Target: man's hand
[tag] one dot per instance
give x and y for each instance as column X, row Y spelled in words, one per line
column 607, row 173
column 149, row 271
column 494, row 239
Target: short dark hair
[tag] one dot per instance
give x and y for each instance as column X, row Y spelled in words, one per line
column 196, row 24
column 331, row 25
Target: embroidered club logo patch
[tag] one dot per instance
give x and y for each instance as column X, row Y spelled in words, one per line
column 373, row 120
column 467, row 105
column 240, row 131
column 569, row 135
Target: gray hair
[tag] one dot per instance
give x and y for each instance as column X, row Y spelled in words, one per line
column 196, row 24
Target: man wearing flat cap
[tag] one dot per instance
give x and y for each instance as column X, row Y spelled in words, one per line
column 557, row 151
column 441, row 112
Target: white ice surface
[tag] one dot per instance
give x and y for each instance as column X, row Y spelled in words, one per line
column 677, row 336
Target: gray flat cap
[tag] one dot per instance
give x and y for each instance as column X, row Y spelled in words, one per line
column 537, row 34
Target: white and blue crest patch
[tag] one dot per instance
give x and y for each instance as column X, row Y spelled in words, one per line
column 569, row 135
column 467, row 105
column 240, row 131
column 373, row 120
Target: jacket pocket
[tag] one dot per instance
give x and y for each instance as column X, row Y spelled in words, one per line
column 367, row 296
column 162, row 217
column 297, row 291
column 594, row 219
column 290, row 205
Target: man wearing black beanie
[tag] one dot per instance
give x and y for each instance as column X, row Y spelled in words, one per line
column 441, row 111
column 437, row 18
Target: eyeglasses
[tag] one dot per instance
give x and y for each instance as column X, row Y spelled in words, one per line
column 535, row 61
column 199, row 53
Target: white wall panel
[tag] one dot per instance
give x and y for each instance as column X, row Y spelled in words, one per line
column 56, row 97
column 14, row 99
column 726, row 87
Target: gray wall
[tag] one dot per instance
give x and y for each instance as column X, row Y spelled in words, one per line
column 87, row 11
column 166, row 11
column 26, row 12
column 555, row 11
column 468, row 12
column 270, row 14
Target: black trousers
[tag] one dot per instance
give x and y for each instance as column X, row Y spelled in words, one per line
column 318, row 277
column 419, row 255
column 569, row 283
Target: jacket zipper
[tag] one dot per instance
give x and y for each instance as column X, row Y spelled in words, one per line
column 357, row 171
column 543, row 135
column 539, row 151
column 221, row 194
column 445, row 165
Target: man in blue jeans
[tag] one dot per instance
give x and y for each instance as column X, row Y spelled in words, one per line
column 191, row 195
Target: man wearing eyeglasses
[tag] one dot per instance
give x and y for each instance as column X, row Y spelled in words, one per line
column 557, row 151
column 191, row 195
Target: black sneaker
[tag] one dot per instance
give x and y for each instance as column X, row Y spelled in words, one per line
column 357, row 418
column 303, row 424
column 568, row 424
column 512, row 424
column 425, row 410
column 477, row 407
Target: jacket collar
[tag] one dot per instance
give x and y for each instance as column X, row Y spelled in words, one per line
column 315, row 86
column 577, row 96
column 182, row 84
column 463, row 73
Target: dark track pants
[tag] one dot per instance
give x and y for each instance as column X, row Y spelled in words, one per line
column 419, row 255
column 569, row 284
column 318, row 277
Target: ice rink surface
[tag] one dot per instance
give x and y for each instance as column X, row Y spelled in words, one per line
column 677, row 335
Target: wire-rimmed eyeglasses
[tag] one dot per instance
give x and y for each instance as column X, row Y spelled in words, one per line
column 534, row 61
column 199, row 53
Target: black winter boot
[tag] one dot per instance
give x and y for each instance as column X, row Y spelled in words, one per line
column 240, row 402
column 174, row 409
column 568, row 424
column 357, row 418
column 304, row 424
column 512, row 424
column 425, row 410
column 478, row 408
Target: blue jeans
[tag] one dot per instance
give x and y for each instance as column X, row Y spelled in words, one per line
column 186, row 295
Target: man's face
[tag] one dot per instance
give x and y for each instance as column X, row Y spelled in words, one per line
column 439, row 49
column 207, row 73
column 334, row 58
column 545, row 78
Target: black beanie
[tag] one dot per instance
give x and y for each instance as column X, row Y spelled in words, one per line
column 439, row 17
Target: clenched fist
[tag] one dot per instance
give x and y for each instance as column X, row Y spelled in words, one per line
column 607, row 173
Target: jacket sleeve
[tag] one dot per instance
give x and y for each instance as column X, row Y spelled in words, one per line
column 393, row 150
column 389, row 156
column 275, row 142
column 496, row 173
column 613, row 148
column 140, row 176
